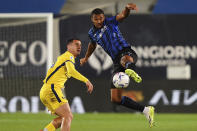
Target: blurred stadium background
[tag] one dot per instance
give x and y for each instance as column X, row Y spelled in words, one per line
column 163, row 33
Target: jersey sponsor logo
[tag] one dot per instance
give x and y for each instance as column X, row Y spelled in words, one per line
column 100, row 61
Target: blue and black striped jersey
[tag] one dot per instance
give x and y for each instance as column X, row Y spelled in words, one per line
column 108, row 37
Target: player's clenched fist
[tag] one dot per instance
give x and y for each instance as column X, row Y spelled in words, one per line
column 83, row 61
column 131, row 6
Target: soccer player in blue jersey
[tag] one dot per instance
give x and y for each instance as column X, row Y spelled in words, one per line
column 106, row 33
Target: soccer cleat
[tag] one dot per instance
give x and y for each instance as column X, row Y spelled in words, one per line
column 150, row 116
column 133, row 75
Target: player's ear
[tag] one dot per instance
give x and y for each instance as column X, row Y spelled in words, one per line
column 92, row 18
column 103, row 15
column 68, row 45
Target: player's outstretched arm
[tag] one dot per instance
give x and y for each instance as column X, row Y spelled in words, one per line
column 91, row 48
column 125, row 13
column 75, row 74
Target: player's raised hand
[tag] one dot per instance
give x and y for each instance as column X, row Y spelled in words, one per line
column 89, row 86
column 83, row 61
column 131, row 6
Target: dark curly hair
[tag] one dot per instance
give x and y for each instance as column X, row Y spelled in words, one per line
column 97, row 11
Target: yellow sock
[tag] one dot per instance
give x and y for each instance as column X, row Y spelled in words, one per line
column 50, row 127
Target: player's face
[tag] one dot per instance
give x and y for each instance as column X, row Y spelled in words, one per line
column 98, row 20
column 76, row 47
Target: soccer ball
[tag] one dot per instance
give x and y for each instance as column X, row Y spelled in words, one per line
column 121, row 80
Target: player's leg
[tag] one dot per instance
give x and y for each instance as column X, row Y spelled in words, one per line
column 128, row 63
column 63, row 121
column 116, row 97
column 54, row 99
column 116, row 94
column 44, row 97
column 57, row 122
column 54, row 124
column 128, row 60
column 65, row 113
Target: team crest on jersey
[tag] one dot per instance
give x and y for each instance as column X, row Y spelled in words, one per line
column 71, row 57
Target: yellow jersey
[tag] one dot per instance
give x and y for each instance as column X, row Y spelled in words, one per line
column 62, row 70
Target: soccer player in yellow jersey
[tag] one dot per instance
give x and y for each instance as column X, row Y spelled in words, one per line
column 51, row 94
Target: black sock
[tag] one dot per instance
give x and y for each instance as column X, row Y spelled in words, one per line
column 130, row 65
column 128, row 102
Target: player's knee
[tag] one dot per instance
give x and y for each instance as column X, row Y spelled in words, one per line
column 116, row 95
column 68, row 116
column 71, row 116
column 125, row 59
column 57, row 122
column 116, row 100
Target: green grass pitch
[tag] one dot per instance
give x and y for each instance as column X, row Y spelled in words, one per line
column 101, row 122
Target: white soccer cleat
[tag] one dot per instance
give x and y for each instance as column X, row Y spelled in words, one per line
column 150, row 116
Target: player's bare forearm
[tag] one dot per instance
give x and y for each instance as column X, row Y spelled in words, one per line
column 125, row 13
column 91, row 48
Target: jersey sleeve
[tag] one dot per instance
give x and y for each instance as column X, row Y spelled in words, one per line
column 112, row 20
column 74, row 73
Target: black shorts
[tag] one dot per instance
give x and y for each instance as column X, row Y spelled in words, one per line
column 117, row 67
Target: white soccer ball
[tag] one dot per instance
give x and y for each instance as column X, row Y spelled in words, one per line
column 121, row 80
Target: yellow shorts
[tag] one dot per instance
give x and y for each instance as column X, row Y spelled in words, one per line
column 52, row 97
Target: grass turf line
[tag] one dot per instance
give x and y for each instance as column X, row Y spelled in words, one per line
column 101, row 122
